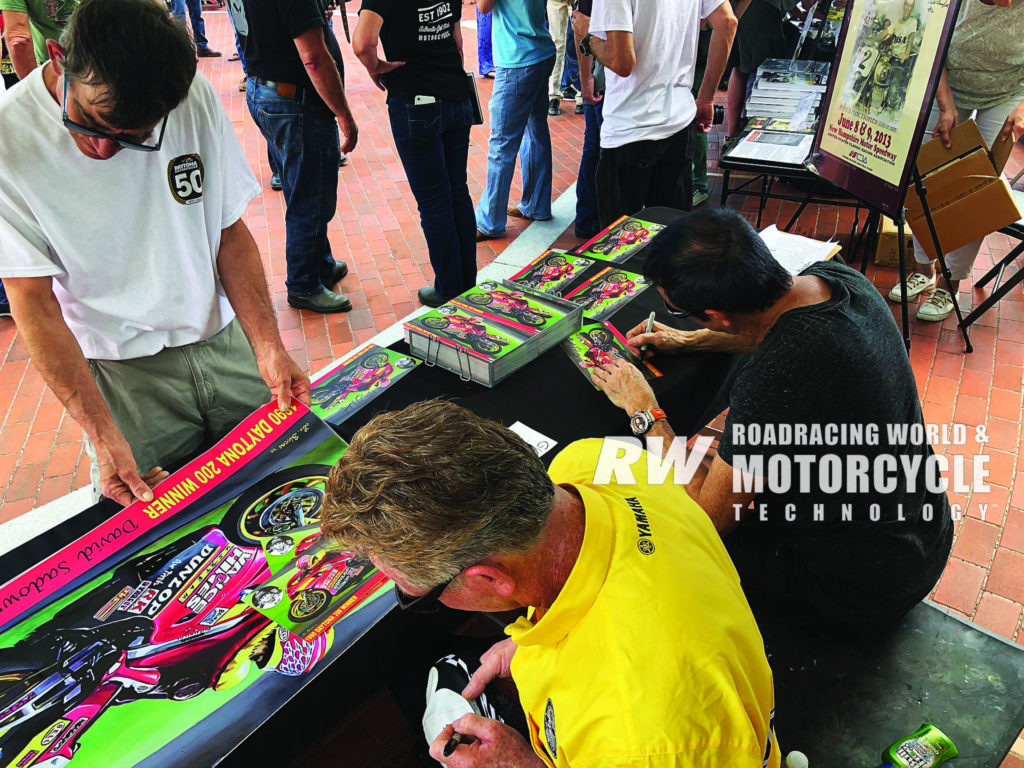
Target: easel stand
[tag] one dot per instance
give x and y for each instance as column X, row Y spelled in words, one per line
column 901, row 221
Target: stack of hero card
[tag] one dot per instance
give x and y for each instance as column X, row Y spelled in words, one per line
column 491, row 330
column 598, row 287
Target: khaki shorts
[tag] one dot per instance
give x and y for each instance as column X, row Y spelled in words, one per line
column 173, row 403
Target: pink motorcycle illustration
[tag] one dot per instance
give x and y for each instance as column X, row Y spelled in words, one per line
column 169, row 624
column 469, row 330
column 371, row 371
column 513, row 304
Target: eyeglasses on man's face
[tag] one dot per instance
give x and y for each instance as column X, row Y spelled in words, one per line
column 422, row 603
column 679, row 313
column 85, row 130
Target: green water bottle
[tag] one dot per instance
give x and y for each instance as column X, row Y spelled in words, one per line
column 926, row 748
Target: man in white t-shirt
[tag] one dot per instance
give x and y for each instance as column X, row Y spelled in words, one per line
column 648, row 48
column 125, row 269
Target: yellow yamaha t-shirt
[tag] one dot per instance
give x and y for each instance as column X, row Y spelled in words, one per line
column 650, row 655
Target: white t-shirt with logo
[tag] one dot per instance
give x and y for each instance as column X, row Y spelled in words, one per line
column 654, row 102
column 131, row 242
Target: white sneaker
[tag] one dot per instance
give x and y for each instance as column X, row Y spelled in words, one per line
column 916, row 285
column 938, row 306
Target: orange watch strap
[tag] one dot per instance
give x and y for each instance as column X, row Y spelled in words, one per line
column 658, row 413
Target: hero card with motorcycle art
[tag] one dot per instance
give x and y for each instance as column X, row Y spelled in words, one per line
column 597, row 344
column 877, row 104
column 621, row 240
column 135, row 645
column 356, row 380
column 607, row 291
column 551, row 272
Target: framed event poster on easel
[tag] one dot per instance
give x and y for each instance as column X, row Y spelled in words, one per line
column 888, row 63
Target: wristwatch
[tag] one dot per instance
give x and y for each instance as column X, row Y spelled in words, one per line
column 584, row 45
column 642, row 421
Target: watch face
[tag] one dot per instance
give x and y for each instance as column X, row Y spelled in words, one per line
column 640, row 423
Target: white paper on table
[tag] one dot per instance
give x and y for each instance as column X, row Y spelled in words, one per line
column 773, row 147
column 540, row 443
column 795, row 252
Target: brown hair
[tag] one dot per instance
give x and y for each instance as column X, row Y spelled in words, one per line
column 433, row 489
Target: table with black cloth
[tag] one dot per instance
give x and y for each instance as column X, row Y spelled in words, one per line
column 552, row 396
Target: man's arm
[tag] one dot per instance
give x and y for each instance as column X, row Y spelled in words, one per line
column 672, row 341
column 485, row 6
column 57, row 356
column 323, row 71
column 723, row 30
column 586, row 63
column 364, row 45
column 241, row 273
column 714, row 493
column 19, row 42
column 616, row 52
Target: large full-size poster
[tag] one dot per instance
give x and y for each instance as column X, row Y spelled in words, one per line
column 888, row 64
column 136, row 645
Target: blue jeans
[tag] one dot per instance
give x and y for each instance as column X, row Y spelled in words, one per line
column 571, row 70
column 588, row 220
column 433, row 143
column 519, row 126
column 485, row 59
column 302, row 140
column 195, row 12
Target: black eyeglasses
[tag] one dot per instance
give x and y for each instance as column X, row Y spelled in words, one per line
column 680, row 313
column 422, row 603
column 126, row 143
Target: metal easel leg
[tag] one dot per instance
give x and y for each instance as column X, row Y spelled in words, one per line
column 947, row 276
column 901, row 224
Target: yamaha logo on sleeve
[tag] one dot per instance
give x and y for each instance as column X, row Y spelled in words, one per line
column 185, row 177
column 549, row 730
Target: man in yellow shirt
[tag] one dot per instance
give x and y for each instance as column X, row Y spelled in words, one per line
column 639, row 648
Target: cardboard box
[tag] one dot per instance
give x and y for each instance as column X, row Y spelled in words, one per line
column 967, row 196
column 887, row 248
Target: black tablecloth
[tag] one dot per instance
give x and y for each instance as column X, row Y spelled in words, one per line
column 552, row 395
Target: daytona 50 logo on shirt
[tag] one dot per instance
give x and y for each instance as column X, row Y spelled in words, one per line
column 185, row 177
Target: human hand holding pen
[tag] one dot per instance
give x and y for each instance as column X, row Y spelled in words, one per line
column 493, row 743
column 648, row 329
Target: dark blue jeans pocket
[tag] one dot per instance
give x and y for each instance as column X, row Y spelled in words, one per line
column 283, row 128
column 414, row 121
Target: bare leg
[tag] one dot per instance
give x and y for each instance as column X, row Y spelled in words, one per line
column 737, row 99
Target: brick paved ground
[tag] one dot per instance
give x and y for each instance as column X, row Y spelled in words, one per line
column 377, row 232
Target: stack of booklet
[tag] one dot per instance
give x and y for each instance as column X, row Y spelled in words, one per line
column 491, row 331
column 785, row 88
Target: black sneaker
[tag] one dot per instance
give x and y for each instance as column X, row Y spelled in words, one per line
column 554, row 108
column 275, row 182
column 568, row 93
column 579, row 108
column 5, row 309
column 206, row 52
column 323, row 301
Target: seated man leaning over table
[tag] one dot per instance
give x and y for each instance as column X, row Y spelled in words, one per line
column 639, row 648
column 825, row 357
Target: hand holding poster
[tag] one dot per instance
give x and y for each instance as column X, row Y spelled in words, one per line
column 889, row 60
